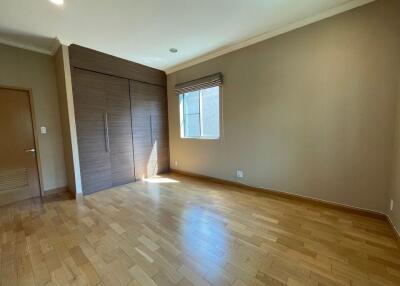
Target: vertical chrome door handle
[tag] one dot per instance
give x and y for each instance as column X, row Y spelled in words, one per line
column 151, row 130
column 106, row 132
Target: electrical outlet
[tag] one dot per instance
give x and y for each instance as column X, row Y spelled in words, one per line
column 391, row 205
column 239, row 174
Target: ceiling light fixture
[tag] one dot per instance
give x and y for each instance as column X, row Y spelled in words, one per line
column 173, row 50
column 57, row 2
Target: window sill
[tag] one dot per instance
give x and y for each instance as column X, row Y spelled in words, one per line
column 201, row 138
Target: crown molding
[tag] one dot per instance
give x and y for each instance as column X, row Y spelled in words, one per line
column 57, row 43
column 25, row 47
column 268, row 35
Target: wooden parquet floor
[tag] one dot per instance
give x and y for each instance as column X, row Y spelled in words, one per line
column 184, row 231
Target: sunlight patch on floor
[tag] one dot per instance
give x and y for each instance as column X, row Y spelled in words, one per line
column 160, row 180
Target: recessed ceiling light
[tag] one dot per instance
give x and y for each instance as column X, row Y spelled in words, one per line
column 173, row 50
column 57, row 2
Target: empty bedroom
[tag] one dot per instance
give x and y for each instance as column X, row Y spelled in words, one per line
column 200, row 142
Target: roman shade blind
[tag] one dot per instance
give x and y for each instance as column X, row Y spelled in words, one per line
column 201, row 83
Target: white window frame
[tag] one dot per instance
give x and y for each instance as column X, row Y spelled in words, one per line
column 182, row 117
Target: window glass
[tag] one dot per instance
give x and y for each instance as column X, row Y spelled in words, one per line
column 210, row 112
column 192, row 125
column 192, row 103
column 200, row 114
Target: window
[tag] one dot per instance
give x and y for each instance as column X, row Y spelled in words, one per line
column 199, row 102
column 200, row 113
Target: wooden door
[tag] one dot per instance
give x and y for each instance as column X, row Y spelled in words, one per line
column 19, row 177
column 150, row 133
column 120, row 130
column 90, row 101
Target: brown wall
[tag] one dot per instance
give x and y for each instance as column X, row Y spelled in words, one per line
column 21, row 68
column 310, row 112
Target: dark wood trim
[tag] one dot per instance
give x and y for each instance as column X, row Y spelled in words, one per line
column 56, row 191
column 395, row 232
column 58, row 194
column 313, row 201
column 84, row 58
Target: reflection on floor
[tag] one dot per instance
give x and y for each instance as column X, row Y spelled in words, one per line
column 180, row 231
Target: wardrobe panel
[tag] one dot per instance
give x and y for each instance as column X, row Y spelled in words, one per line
column 120, row 130
column 104, row 127
column 150, row 131
column 89, row 59
column 141, row 130
column 90, row 101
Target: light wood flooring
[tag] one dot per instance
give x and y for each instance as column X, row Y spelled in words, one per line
column 184, row 231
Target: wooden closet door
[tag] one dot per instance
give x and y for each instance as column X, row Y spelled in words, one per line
column 90, row 101
column 119, row 130
column 150, row 133
column 159, row 126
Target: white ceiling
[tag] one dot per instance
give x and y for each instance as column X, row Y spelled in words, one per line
column 144, row 30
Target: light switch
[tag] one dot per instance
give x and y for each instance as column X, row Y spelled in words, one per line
column 43, row 130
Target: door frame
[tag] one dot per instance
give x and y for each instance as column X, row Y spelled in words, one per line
column 35, row 133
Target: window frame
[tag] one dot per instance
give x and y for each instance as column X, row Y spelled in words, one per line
column 182, row 117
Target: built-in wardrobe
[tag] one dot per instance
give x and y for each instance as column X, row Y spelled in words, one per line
column 121, row 119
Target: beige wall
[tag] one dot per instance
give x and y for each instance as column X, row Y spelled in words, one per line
column 67, row 114
column 394, row 193
column 21, row 68
column 310, row 112
column 62, row 100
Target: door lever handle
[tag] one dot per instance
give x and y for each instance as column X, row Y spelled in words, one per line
column 30, row 150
